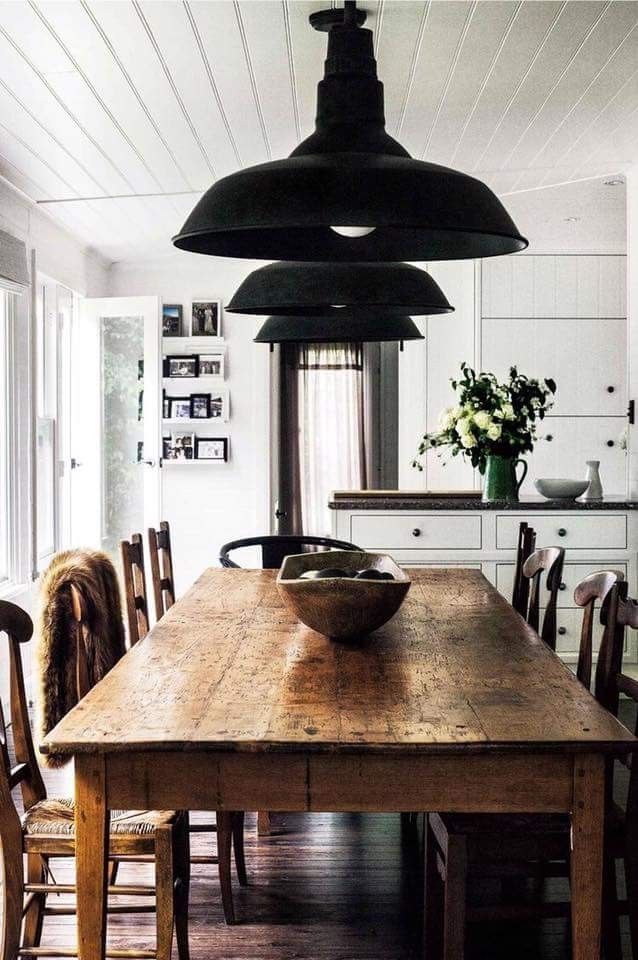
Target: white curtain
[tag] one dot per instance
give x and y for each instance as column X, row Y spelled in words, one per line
column 330, row 419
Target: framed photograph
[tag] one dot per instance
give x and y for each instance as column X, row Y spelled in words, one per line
column 218, row 407
column 211, row 448
column 166, row 405
column 171, row 320
column 167, row 448
column 183, row 446
column 184, row 366
column 206, row 318
column 211, row 364
column 179, row 408
column 199, row 406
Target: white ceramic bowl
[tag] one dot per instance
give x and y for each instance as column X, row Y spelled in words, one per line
column 561, row 489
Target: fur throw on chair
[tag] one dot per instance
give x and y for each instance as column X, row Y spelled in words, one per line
column 94, row 577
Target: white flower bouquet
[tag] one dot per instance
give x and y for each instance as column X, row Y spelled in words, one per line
column 490, row 418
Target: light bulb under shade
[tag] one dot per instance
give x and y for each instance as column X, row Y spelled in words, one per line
column 339, row 289
column 354, row 232
column 364, row 328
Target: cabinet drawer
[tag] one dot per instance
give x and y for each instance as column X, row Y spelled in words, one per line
column 573, row 573
column 574, row 531
column 417, row 531
column 568, row 624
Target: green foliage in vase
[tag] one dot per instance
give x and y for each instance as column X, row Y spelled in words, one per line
column 490, row 418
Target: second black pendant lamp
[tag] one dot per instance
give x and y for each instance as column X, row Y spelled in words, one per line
column 349, row 192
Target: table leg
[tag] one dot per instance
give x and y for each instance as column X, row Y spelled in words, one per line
column 91, row 854
column 588, row 819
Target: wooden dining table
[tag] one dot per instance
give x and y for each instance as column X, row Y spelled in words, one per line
column 231, row 703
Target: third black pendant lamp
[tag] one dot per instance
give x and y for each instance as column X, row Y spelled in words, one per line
column 349, row 192
column 363, row 327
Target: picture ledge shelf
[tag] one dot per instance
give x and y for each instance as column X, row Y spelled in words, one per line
column 202, row 420
column 191, row 463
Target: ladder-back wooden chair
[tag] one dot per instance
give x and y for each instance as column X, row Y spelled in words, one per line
column 524, row 548
column 161, row 556
column 137, row 615
column 464, row 846
column 547, row 561
column 229, row 825
column 46, row 830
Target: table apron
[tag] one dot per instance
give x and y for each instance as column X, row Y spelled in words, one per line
column 474, row 783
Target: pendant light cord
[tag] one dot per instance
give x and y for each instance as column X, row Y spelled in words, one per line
column 350, row 13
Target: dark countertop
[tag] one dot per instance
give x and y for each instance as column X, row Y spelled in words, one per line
column 412, row 501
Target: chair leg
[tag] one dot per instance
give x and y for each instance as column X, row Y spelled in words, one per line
column 264, row 826
column 454, row 899
column 224, row 843
column 431, row 896
column 34, row 916
column 631, row 882
column 238, row 847
column 112, row 874
column 164, row 881
column 612, row 949
column 182, row 866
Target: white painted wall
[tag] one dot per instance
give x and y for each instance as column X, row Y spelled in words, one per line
column 632, row 319
column 208, row 505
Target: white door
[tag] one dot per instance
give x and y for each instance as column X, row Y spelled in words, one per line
column 115, row 441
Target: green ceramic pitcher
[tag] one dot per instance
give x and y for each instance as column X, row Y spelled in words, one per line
column 501, row 482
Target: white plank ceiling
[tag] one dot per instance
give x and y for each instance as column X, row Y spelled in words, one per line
column 123, row 111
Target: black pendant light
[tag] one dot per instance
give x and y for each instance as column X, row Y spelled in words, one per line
column 358, row 328
column 349, row 192
column 340, row 290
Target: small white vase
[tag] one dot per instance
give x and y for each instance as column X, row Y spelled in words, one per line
column 595, row 489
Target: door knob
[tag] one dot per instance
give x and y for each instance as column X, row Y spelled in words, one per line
column 149, row 463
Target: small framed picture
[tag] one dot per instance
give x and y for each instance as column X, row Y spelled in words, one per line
column 186, row 366
column 218, row 407
column 211, row 448
column 180, row 408
column 199, row 406
column 183, row 446
column 166, row 405
column 211, row 364
column 171, row 320
column 167, row 448
column 206, row 318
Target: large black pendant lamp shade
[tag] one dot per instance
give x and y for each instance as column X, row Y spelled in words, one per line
column 349, row 192
column 363, row 327
column 339, row 290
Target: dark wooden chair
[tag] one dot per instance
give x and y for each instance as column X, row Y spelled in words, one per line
column 464, row 846
column 547, row 561
column 161, row 557
column 524, row 549
column 46, row 830
column 137, row 615
column 275, row 548
column 229, row 825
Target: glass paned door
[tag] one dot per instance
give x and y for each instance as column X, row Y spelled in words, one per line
column 115, row 440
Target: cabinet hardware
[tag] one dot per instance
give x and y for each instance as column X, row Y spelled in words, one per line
column 631, row 411
column 610, row 389
column 610, row 443
column 563, row 586
column 549, row 436
column 280, row 514
column 562, row 532
column 562, row 631
column 416, row 532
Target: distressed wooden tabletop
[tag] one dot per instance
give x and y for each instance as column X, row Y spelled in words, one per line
column 229, row 668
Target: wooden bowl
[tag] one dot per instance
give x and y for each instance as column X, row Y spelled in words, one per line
column 341, row 607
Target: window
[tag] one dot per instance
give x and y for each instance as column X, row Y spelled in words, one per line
column 5, row 406
column 322, row 444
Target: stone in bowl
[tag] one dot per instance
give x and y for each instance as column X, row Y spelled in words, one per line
column 342, row 608
column 561, row 489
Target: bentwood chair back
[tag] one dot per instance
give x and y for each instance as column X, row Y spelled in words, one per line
column 594, row 589
column 275, row 548
column 524, row 549
column 161, row 557
column 46, row 830
column 132, row 553
column 548, row 561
